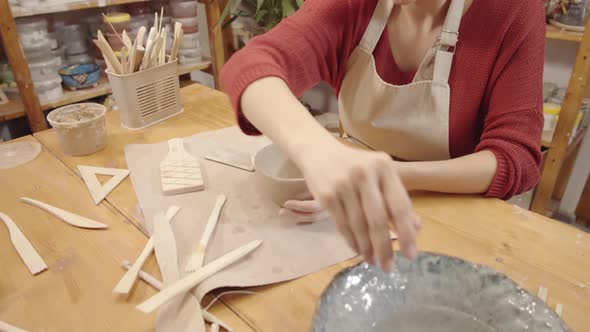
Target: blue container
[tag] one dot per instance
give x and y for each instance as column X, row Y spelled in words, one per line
column 80, row 76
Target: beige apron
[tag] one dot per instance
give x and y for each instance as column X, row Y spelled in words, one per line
column 410, row 122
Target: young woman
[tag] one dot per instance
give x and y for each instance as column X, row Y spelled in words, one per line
column 451, row 87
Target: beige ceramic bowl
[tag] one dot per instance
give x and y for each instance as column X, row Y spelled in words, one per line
column 277, row 177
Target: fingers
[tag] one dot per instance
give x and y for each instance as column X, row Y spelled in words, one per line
column 399, row 207
column 303, row 217
column 357, row 221
column 336, row 210
column 310, row 206
column 377, row 218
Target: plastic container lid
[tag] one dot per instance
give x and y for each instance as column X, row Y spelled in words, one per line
column 31, row 24
column 117, row 17
column 551, row 109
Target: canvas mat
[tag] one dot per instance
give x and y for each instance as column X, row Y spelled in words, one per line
column 288, row 250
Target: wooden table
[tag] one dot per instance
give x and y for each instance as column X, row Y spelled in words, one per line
column 75, row 293
column 531, row 249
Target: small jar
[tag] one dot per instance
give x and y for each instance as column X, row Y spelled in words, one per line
column 32, row 33
column 190, row 41
column 120, row 21
column 80, row 59
column 49, row 90
column 114, row 41
column 76, row 47
column 45, row 70
column 189, row 24
column 191, row 55
column 72, row 32
column 183, row 9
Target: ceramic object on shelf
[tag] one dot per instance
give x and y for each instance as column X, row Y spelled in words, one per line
column 76, row 46
column 80, row 128
column 79, row 76
column 431, row 293
column 114, row 41
column 80, row 58
column 120, row 21
column 72, row 32
column 45, row 70
column 189, row 24
column 277, row 177
column 33, row 33
column 190, row 41
column 49, row 90
column 59, row 53
column 182, row 9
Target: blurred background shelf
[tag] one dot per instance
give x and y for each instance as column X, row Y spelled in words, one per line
column 65, row 7
column 14, row 109
column 559, row 34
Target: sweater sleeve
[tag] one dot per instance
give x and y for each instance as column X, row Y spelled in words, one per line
column 513, row 126
column 302, row 50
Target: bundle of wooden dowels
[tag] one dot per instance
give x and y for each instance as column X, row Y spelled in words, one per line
column 136, row 57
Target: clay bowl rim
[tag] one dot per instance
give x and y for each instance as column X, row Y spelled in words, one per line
column 265, row 172
column 55, row 123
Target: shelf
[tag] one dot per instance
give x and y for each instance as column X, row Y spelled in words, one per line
column 70, row 97
column 559, row 34
column 14, row 109
column 185, row 69
column 67, row 6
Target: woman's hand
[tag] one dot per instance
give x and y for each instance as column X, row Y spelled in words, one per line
column 362, row 191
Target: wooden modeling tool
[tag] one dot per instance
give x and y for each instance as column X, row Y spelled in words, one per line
column 232, row 158
column 193, row 279
column 214, row 327
column 157, row 285
column 126, row 283
column 196, row 260
column 98, row 191
column 25, row 250
column 124, row 62
column 180, row 172
column 126, row 40
column 5, row 327
column 68, row 217
column 108, row 53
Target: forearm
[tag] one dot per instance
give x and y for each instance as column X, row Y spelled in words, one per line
column 471, row 174
column 270, row 106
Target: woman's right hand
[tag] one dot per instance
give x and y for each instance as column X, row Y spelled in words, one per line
column 362, row 191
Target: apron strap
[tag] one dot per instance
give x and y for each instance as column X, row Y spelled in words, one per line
column 447, row 43
column 376, row 25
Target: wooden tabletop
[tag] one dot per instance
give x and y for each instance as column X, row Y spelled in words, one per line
column 75, row 292
column 531, row 249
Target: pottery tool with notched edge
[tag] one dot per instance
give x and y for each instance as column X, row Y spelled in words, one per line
column 180, row 171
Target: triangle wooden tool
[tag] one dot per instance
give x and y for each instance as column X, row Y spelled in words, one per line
column 180, row 171
column 98, row 191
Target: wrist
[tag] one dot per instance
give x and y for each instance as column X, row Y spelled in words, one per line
column 409, row 174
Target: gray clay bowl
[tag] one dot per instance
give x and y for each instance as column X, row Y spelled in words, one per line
column 432, row 293
column 277, row 177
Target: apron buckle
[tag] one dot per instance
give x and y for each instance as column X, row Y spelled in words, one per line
column 447, row 39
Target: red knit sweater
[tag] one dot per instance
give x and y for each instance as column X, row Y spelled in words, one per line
column 496, row 78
